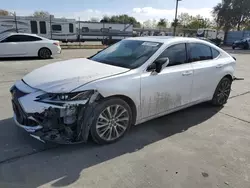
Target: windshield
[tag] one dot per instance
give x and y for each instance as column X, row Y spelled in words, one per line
column 127, row 53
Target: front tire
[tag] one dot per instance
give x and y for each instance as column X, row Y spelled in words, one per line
column 222, row 92
column 112, row 119
column 44, row 53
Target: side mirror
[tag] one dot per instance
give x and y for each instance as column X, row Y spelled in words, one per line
column 159, row 64
column 151, row 68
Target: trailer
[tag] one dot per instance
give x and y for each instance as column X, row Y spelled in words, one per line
column 53, row 28
column 210, row 33
column 107, row 33
column 66, row 30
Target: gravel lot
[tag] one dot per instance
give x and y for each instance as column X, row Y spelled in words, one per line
column 199, row 147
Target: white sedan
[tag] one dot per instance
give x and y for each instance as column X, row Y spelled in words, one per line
column 130, row 82
column 28, row 45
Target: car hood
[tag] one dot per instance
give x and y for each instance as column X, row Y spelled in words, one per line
column 65, row 76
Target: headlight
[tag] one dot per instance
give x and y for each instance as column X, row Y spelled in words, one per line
column 66, row 96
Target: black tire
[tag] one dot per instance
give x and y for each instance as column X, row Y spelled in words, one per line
column 246, row 46
column 233, row 47
column 222, row 92
column 97, row 112
column 44, row 53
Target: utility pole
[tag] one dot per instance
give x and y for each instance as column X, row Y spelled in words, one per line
column 175, row 19
column 15, row 21
column 50, row 23
column 79, row 31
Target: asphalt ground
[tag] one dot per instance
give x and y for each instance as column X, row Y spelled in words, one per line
column 199, row 147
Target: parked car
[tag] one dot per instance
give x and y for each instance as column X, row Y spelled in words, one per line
column 242, row 44
column 28, row 45
column 128, row 83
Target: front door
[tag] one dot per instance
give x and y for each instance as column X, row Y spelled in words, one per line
column 11, row 46
column 169, row 89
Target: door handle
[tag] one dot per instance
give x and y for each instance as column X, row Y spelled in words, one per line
column 187, row 73
column 219, row 65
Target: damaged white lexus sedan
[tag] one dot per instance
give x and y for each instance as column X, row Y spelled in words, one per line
column 128, row 83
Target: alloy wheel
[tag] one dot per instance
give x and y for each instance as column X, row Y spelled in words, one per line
column 223, row 91
column 112, row 122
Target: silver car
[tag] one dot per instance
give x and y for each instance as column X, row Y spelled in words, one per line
column 128, row 83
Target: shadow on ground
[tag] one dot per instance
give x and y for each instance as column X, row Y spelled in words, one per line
column 64, row 164
column 21, row 58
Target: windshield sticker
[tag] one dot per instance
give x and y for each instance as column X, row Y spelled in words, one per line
column 150, row 44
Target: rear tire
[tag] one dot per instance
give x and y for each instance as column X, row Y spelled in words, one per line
column 112, row 119
column 44, row 53
column 222, row 92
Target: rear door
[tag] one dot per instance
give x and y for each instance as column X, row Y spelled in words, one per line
column 207, row 70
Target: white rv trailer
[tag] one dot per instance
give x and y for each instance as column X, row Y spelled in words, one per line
column 210, row 33
column 66, row 30
column 62, row 29
column 105, row 32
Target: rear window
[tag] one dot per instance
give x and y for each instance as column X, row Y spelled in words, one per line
column 215, row 53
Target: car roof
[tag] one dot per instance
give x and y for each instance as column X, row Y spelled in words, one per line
column 166, row 39
column 26, row 34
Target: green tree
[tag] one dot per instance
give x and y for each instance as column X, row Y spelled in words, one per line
column 41, row 14
column 122, row 19
column 150, row 24
column 184, row 19
column 193, row 22
column 105, row 19
column 4, row 12
column 162, row 23
column 232, row 14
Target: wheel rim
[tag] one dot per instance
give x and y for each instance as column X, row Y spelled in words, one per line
column 45, row 53
column 112, row 122
column 224, row 91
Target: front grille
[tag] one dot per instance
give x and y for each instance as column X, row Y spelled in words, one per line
column 21, row 116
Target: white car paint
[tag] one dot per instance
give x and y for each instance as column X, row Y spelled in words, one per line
column 71, row 74
column 27, row 49
column 154, row 95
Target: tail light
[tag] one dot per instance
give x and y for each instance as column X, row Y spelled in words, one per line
column 56, row 43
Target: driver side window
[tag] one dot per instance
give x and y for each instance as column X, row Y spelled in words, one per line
column 176, row 54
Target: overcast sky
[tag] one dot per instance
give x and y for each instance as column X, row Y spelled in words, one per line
column 85, row 9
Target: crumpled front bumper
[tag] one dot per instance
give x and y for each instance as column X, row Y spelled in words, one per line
column 41, row 119
column 31, row 130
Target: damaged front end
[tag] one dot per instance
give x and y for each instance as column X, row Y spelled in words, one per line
column 65, row 118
